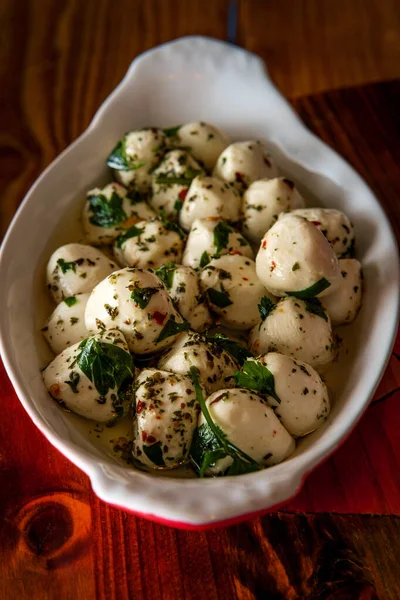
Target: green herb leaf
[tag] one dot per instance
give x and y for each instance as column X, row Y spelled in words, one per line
column 265, row 307
column 120, row 161
column 185, row 179
column 314, row 306
column 221, row 236
column 126, row 235
column 296, row 266
column 220, row 299
column 258, row 377
column 70, row 301
column 178, row 205
column 155, row 454
column 172, row 328
column 234, row 348
column 142, row 296
column 166, row 274
column 171, row 226
column 66, row 266
column 73, row 382
column 172, row 131
column 313, row 290
column 205, row 259
column 107, row 213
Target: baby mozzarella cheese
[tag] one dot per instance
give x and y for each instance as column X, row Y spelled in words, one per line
column 345, row 301
column 216, row 367
column 336, row 227
column 136, row 155
column 149, row 244
column 109, row 211
column 233, row 290
column 76, row 269
column 183, row 286
column 166, row 418
column 304, row 401
column 171, row 181
column 296, row 258
column 242, row 163
column 209, row 197
column 213, row 237
column 251, row 425
column 298, row 328
column 66, row 325
column 93, row 378
column 136, row 303
column 203, row 140
column 264, row 201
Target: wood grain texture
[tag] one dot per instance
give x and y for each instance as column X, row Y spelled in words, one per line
column 315, row 45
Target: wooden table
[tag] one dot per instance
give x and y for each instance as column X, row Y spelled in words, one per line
column 340, row 538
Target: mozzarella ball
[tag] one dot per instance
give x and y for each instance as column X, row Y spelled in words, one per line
column 171, row 181
column 183, row 286
column 204, row 141
column 110, row 210
column 75, row 269
column 135, row 155
column 294, row 255
column 251, row 425
column 215, row 366
column 66, row 325
column 136, row 303
column 335, row 225
column 242, row 163
column 298, row 328
column 345, row 301
column 213, row 237
column 304, row 401
column 209, row 197
column 233, row 290
column 166, row 418
column 74, row 382
column 264, row 201
column 149, row 244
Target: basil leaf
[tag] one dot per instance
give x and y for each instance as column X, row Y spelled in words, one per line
column 205, row 259
column 107, row 366
column 166, row 274
column 234, row 348
column 220, row 299
column 66, row 266
column 129, row 233
column 73, row 382
column 172, row 131
column 172, row 328
column 314, row 306
column 258, row 377
column 106, row 213
column 185, row 179
column 70, row 301
column 265, row 307
column 120, row 161
column 240, row 467
column 142, row 296
column 313, row 290
column 205, row 449
column 155, row 454
column 221, row 236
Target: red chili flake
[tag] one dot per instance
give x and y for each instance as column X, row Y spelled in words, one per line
column 274, row 432
column 273, row 265
column 140, row 406
column 151, row 439
column 182, row 194
column 182, row 405
column 239, row 177
column 316, row 223
column 267, row 162
column 245, row 278
column 264, row 244
column 159, row 317
column 54, row 389
column 217, row 399
column 144, row 436
column 233, row 252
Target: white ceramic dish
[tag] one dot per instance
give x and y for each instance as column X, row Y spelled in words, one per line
column 189, row 79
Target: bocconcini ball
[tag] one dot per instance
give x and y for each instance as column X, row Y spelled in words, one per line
column 264, row 201
column 295, row 257
column 213, row 237
column 135, row 302
column 242, row 163
column 149, row 244
column 165, row 418
column 209, row 197
column 215, row 366
column 75, row 269
column 78, row 386
column 298, row 328
column 204, row 141
column 66, row 325
column 335, row 225
column 304, row 402
column 345, row 301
